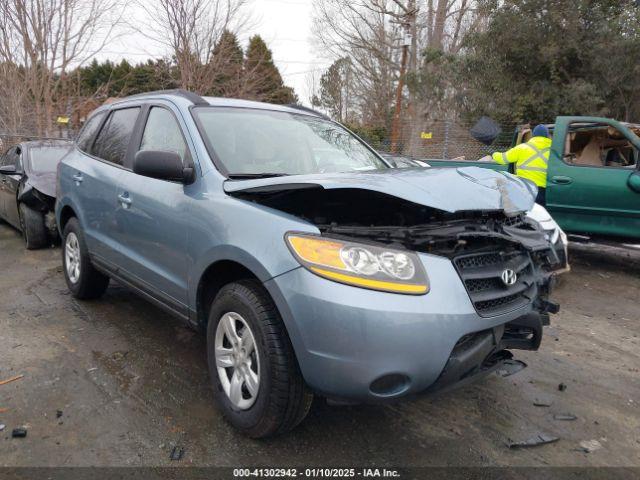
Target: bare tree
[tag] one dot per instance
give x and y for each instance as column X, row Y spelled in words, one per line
column 15, row 112
column 190, row 31
column 40, row 41
column 447, row 21
column 372, row 34
column 333, row 92
column 366, row 33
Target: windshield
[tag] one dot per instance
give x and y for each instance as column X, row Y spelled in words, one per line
column 254, row 142
column 46, row 159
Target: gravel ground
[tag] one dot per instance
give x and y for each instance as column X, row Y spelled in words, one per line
column 117, row 382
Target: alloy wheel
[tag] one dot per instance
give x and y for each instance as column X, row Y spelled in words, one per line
column 72, row 257
column 237, row 360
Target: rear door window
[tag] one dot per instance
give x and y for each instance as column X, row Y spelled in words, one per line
column 12, row 158
column 7, row 158
column 113, row 140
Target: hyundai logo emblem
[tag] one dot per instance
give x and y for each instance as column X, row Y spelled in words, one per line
column 509, row 277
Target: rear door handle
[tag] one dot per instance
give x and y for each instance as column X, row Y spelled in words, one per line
column 77, row 178
column 561, row 180
column 124, row 199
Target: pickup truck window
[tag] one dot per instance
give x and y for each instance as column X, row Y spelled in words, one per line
column 113, row 140
column 162, row 132
column 599, row 146
column 252, row 142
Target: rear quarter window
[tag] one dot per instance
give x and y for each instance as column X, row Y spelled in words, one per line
column 89, row 131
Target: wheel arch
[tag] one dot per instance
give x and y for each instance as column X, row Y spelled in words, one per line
column 66, row 213
column 213, row 278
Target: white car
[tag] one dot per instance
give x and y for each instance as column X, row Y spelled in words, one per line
column 556, row 235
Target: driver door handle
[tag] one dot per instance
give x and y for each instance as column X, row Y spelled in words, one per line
column 561, row 180
column 77, row 178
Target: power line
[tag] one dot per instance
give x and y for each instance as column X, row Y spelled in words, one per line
column 289, row 2
column 305, row 62
column 305, row 71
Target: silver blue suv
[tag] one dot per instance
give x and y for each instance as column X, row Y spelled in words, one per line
column 312, row 265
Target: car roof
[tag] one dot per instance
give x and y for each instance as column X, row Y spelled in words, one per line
column 186, row 98
column 238, row 103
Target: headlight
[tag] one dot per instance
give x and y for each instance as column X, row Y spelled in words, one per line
column 360, row 265
column 563, row 237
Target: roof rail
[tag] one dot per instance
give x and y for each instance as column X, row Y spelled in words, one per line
column 192, row 97
column 307, row 109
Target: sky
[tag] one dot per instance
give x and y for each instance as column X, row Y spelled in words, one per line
column 285, row 25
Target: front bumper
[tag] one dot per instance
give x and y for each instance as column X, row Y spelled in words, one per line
column 363, row 345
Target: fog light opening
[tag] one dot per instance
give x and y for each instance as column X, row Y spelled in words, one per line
column 390, row 385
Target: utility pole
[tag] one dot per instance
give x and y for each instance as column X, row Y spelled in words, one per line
column 409, row 30
column 395, row 126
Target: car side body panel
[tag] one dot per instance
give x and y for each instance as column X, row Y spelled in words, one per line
column 89, row 187
column 225, row 228
column 596, row 200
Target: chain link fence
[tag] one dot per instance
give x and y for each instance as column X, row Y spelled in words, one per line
column 443, row 140
column 436, row 140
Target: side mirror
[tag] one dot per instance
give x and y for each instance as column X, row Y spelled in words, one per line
column 634, row 182
column 162, row 165
column 8, row 170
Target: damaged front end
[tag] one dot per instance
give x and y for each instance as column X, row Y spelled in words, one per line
column 503, row 258
column 505, row 264
column 40, row 202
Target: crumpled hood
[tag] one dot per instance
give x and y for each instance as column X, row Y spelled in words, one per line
column 447, row 189
column 44, row 183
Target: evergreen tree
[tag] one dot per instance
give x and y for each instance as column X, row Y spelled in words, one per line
column 541, row 58
column 94, row 76
column 335, row 95
column 265, row 79
column 111, row 80
column 228, row 61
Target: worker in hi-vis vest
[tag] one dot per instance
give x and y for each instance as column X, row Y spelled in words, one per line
column 531, row 159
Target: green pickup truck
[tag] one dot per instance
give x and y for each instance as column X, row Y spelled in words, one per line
column 593, row 185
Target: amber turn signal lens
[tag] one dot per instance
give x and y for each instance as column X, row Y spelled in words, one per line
column 365, row 266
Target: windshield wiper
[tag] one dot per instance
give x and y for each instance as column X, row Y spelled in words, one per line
column 241, row 176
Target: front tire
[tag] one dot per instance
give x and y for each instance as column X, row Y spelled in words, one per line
column 34, row 231
column 255, row 375
column 83, row 280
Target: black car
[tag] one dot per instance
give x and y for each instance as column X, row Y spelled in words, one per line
column 28, row 189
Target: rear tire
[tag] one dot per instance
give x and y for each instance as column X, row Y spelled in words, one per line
column 83, row 280
column 283, row 399
column 34, row 231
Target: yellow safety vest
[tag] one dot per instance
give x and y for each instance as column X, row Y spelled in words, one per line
column 531, row 159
